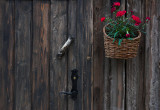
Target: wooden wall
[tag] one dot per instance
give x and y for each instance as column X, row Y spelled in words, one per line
column 31, row 76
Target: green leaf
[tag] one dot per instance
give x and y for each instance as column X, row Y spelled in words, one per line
column 111, row 24
column 119, row 42
column 116, row 34
column 124, row 28
column 121, row 35
column 108, row 28
column 130, row 39
column 111, row 32
column 133, row 33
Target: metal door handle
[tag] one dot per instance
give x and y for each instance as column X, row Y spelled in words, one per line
column 74, row 91
column 65, row 47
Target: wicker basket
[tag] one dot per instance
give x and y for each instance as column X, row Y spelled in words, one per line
column 127, row 49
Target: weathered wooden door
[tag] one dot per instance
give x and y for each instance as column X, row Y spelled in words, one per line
column 32, row 33
column 31, row 76
column 71, row 18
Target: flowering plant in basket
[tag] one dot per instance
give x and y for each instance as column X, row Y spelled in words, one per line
column 122, row 34
column 123, row 27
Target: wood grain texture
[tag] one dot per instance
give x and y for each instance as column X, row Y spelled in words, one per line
column 152, row 56
column 107, row 85
column 107, row 62
column 85, row 56
column 73, row 55
column 40, row 55
column 117, row 89
column 135, row 67
column 101, row 85
column 23, row 36
column 6, row 55
column 31, row 76
column 58, row 68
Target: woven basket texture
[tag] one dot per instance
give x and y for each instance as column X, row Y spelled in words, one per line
column 127, row 49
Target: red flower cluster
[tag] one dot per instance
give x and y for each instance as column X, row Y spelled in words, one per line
column 120, row 13
column 125, row 27
column 137, row 19
column 102, row 19
column 116, row 4
column 137, row 23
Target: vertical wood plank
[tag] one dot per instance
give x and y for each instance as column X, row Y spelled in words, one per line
column 152, row 56
column 40, row 55
column 80, row 55
column 101, row 86
column 72, row 54
column 107, row 66
column 98, row 55
column 85, row 51
column 23, row 36
column 6, row 55
column 58, row 67
column 135, row 67
column 88, row 55
column 117, row 93
column 107, row 85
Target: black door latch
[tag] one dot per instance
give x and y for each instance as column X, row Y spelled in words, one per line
column 74, row 91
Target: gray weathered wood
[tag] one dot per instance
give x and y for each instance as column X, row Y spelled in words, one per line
column 6, row 55
column 23, row 36
column 101, row 85
column 85, row 50
column 107, row 83
column 31, row 76
column 135, row 67
column 58, row 68
column 117, row 87
column 73, row 55
column 152, row 56
column 40, row 55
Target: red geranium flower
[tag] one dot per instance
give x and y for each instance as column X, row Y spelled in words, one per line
column 102, row 19
column 137, row 19
column 113, row 9
column 120, row 13
column 116, row 4
column 148, row 19
column 137, row 23
column 127, row 35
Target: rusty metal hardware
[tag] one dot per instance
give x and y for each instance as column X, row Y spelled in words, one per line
column 74, row 91
column 65, row 47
